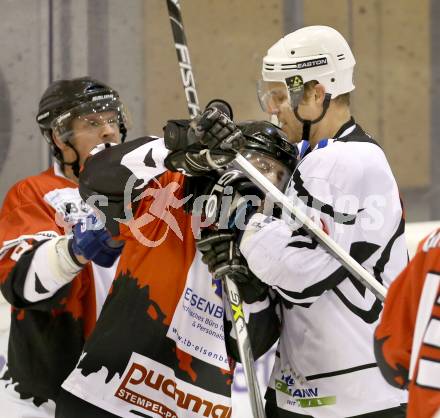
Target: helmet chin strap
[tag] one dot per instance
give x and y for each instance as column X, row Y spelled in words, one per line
column 307, row 123
column 123, row 131
column 73, row 164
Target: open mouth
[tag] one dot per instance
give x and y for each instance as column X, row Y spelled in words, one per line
column 281, row 124
column 274, row 119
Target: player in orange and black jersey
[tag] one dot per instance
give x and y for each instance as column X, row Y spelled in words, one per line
column 160, row 347
column 55, row 281
column 407, row 340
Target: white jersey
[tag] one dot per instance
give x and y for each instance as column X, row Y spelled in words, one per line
column 325, row 365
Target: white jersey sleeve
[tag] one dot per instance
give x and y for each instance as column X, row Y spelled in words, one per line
column 291, row 261
column 52, row 267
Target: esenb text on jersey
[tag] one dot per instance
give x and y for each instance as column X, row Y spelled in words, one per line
column 202, row 304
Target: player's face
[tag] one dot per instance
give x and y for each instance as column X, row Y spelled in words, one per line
column 276, row 102
column 94, row 129
column 275, row 171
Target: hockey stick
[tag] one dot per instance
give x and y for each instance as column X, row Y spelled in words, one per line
column 183, row 57
column 311, row 228
column 234, row 306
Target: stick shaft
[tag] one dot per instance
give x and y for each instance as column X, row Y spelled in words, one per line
column 182, row 51
column 230, row 289
column 244, row 346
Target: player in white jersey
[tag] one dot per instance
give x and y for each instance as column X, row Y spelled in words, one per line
column 325, row 365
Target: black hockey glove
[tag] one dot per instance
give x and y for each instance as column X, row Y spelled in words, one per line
column 184, row 148
column 217, row 131
column 197, row 162
column 221, row 254
column 208, row 142
column 231, row 201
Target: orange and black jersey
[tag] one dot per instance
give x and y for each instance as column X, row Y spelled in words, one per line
column 47, row 336
column 137, row 351
column 407, row 340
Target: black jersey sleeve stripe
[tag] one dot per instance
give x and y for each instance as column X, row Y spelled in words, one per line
column 341, row 372
column 310, row 242
column 303, row 244
column 384, row 258
column 370, row 316
column 149, row 160
column 289, row 302
column 360, row 251
column 39, row 288
column 315, row 203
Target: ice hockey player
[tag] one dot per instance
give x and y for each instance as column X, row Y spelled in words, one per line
column 159, row 346
column 407, row 339
column 45, row 274
column 325, row 364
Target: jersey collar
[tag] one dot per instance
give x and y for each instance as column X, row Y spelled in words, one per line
column 347, row 128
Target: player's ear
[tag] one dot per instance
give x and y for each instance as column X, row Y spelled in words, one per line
column 58, row 142
column 319, row 93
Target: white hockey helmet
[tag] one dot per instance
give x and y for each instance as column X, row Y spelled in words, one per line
column 312, row 53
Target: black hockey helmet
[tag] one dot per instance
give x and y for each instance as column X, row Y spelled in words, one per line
column 65, row 99
column 267, row 147
column 268, row 138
